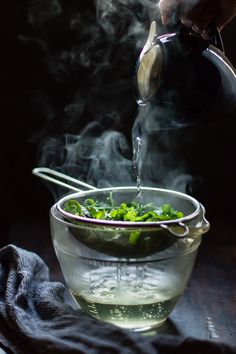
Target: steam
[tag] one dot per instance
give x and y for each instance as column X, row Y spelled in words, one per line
column 89, row 121
column 100, row 159
column 43, row 10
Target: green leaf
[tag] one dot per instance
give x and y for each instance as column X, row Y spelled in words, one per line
column 117, row 214
column 89, row 202
column 134, row 236
column 100, row 214
column 131, row 214
column 179, row 214
column 73, row 207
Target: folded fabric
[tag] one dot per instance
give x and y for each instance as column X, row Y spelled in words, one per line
column 34, row 318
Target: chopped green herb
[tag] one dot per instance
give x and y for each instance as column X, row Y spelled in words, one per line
column 134, row 212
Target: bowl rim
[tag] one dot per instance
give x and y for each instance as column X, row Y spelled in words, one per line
column 126, row 224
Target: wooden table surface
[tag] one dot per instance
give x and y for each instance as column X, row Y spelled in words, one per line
column 207, row 309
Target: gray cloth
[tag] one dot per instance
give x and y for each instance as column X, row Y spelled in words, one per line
column 34, row 318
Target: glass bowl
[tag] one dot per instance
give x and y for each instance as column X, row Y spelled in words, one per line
column 134, row 285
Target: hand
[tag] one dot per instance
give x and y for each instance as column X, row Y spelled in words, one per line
column 198, row 13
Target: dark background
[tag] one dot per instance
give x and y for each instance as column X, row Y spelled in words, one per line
column 34, row 96
column 28, row 118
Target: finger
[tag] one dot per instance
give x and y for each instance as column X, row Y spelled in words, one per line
column 168, row 9
column 201, row 26
column 206, row 34
column 198, row 26
column 197, row 29
column 198, row 17
column 198, row 12
column 186, row 22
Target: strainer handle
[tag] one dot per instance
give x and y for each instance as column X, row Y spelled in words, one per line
column 196, row 230
column 57, row 177
column 181, row 230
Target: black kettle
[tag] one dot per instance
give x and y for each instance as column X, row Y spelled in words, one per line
column 186, row 79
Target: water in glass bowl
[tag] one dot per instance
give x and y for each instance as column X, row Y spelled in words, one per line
column 137, row 296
